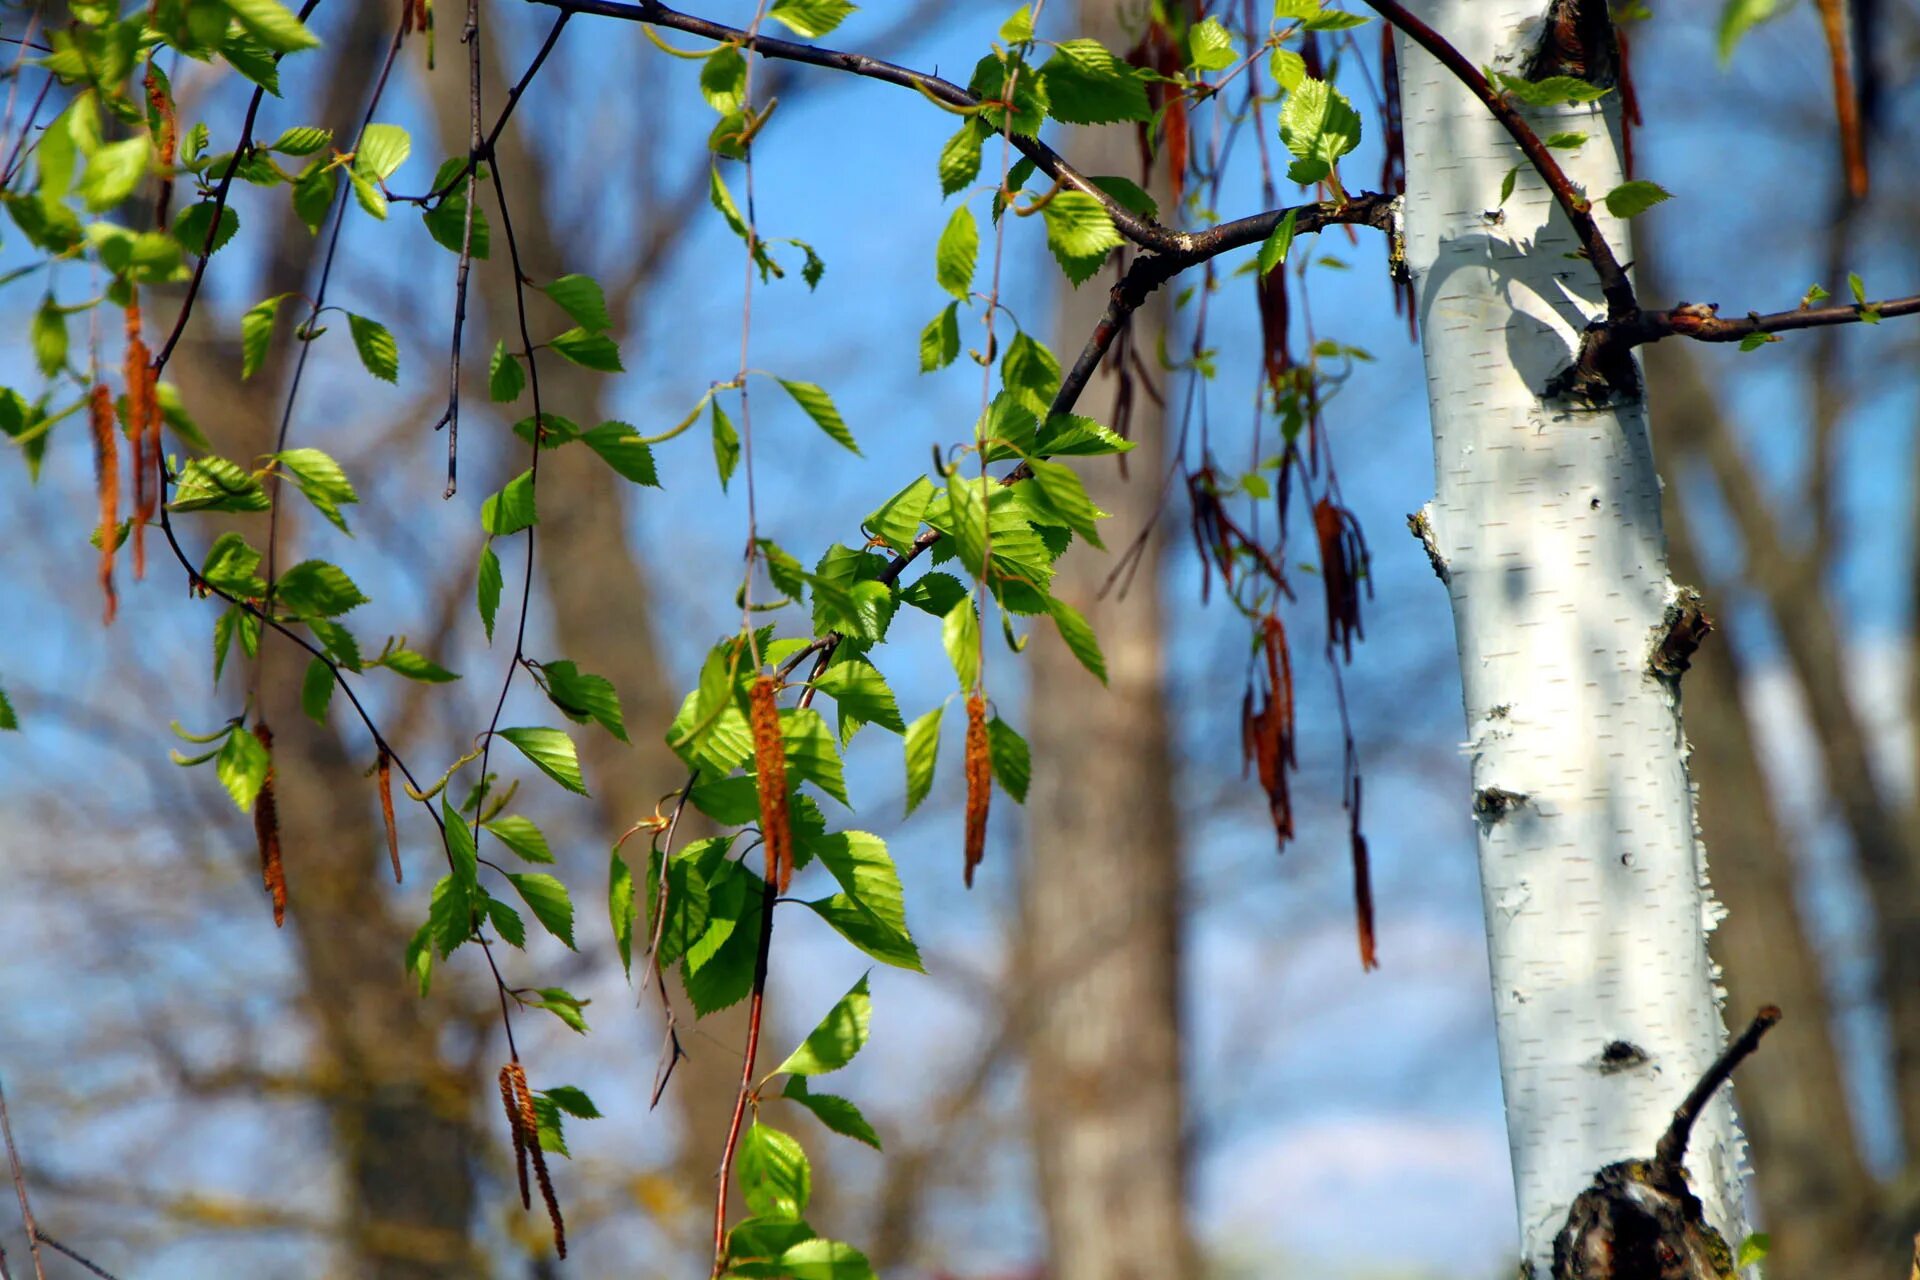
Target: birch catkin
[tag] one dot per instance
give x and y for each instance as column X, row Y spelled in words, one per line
column 510, row 1099
column 979, row 783
column 106, row 479
column 385, row 772
column 143, row 434
column 770, row 773
column 266, row 831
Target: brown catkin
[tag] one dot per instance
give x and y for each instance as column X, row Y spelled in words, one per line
column 106, row 479
column 385, row 772
column 530, row 1124
column 979, row 783
column 770, row 772
column 510, row 1099
column 143, row 433
column 266, row 831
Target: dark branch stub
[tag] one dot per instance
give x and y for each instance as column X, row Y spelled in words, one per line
column 1639, row 1220
column 1679, row 634
column 1578, row 40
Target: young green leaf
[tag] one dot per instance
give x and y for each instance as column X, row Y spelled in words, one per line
column 273, row 25
column 584, row 697
column 487, row 588
column 897, row 520
column 1210, row 46
column 811, row 19
column 861, row 693
column 1273, row 250
column 940, row 340
column 775, row 1179
column 582, row 298
column 379, row 353
column 726, row 444
column 1080, row 233
column 835, row 1112
column 960, row 159
column 522, row 836
column 547, row 898
column 505, row 378
column 383, row 148
column 1636, row 197
column 923, row 751
column 316, row 691
column 241, row 766
column 1079, row 637
column 416, row 666
column 811, row 752
column 840, row 1035
column 552, row 751
column 1551, row 91
column 1088, row 85
column 871, row 913
column 819, row 406
column 322, row 480
column 1318, row 125
column 1012, row 763
column 256, row 331
column 956, row 253
column 593, row 351
column 961, row 635
column 512, row 509
column 621, row 448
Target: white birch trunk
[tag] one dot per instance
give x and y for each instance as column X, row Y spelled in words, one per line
column 1546, row 526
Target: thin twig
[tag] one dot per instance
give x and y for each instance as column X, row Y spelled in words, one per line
column 1672, row 1151
column 20, row 1188
column 86, row 1262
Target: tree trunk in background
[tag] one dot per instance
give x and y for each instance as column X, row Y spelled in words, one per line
column 1816, row 1195
column 1547, row 522
column 400, row 1115
column 1101, row 890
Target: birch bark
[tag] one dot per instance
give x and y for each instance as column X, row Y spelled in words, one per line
column 1545, row 526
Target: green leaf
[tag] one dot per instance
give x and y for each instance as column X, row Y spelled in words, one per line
column 1079, row 637
column 1029, row 370
column 1070, row 435
column 450, row 917
column 114, row 171
column 416, row 666
column 861, row 693
column 316, row 589
column 819, row 406
column 301, row 140
column 581, row 298
column 1755, row 341
column 1566, row 140
column 954, row 257
column 1636, row 197
column 1012, row 762
column 215, row 484
column 321, row 479
column 584, row 697
column 835, row 1112
column 369, row 196
column 923, row 751
column 191, row 227
column 505, row 378
column 1211, row 46
column 256, row 331
column 589, row 350
column 313, row 193
column 811, row 18
column 961, row 635
column 382, row 150
column 726, row 444
column 316, row 691
column 775, row 1179
column 819, row 1259
column 510, row 510
column 1018, row 29
column 718, row 969
column 1318, row 125
column 1334, row 20
column 1737, row 17
column 487, row 588
column 989, row 85
column 419, row 961
column 547, row 898
column 897, row 520
column 274, row 25
column 9, row 720
column 1128, row 194
column 1080, row 233
column 1550, row 91
column 522, row 836
column 723, row 80
column 573, row 1101
column 621, row 448
column 1858, row 288
column 565, row 1006
column 687, row 899
column 1066, row 497
column 1273, row 250
column 50, row 337
column 1088, row 85
column 620, row 907
column 379, row 353
column 1507, row 183
column 506, row 922
column 811, row 752
column 552, row 751
column 1753, row 1249
column 960, row 159
column 241, row 766
column 871, row 913
column 840, row 1035
column 940, row 340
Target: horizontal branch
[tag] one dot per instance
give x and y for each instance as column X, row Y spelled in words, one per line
column 1702, row 322
column 1143, row 231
